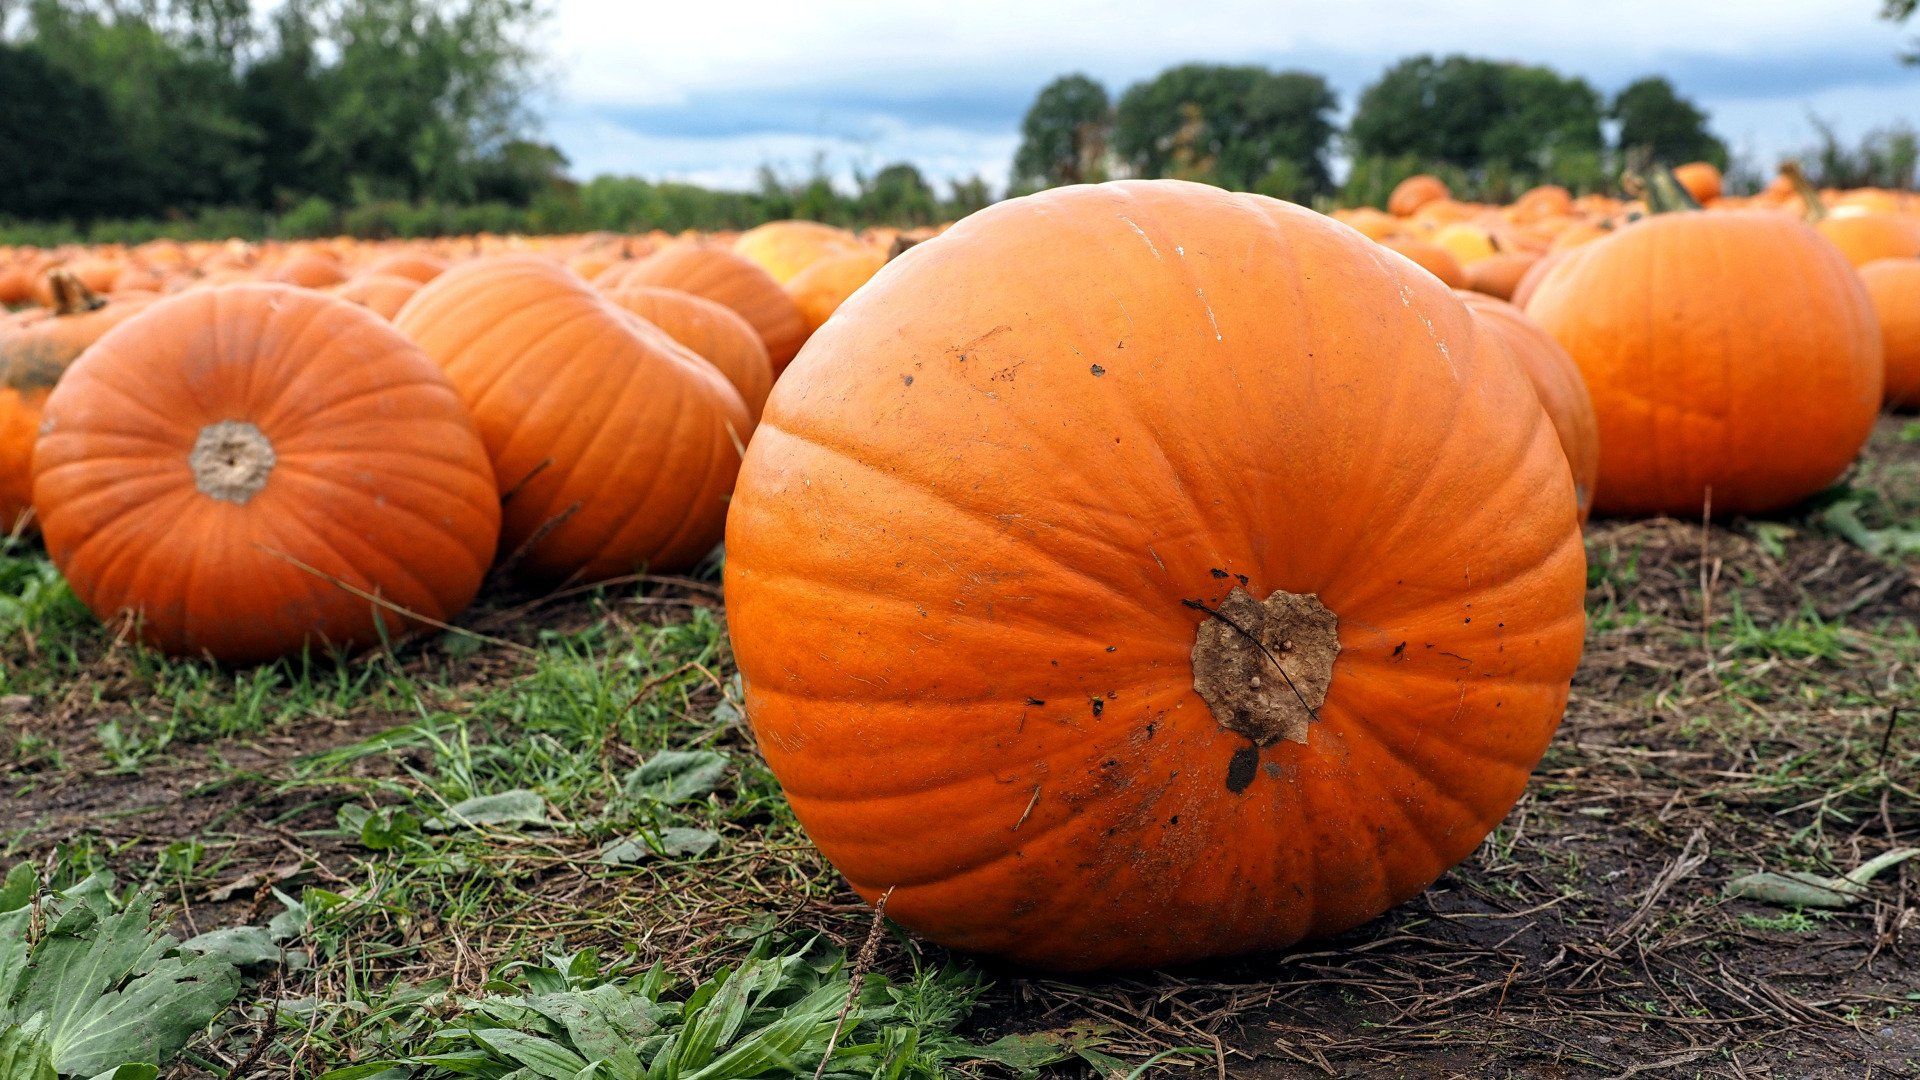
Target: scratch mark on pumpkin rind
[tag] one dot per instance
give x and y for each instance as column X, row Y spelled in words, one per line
column 1202, row 294
column 1142, row 234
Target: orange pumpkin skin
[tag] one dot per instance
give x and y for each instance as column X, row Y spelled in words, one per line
column 1432, row 258
column 821, row 288
column 1414, row 192
column 969, row 535
column 1499, row 275
column 419, row 268
column 784, row 248
column 35, row 351
column 1894, row 285
column 373, row 477
column 726, row 279
column 310, row 272
column 712, row 332
column 615, row 447
column 382, row 294
column 1733, row 351
column 1865, row 238
column 1701, row 179
column 1556, row 378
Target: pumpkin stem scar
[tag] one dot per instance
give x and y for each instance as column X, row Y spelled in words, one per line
column 1296, row 634
column 231, row 461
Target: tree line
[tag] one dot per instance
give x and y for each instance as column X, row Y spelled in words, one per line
column 134, row 119
column 1493, row 128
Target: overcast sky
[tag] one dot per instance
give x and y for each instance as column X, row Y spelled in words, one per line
column 708, row 91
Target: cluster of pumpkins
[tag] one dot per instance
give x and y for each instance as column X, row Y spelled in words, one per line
column 1128, row 574
column 255, row 448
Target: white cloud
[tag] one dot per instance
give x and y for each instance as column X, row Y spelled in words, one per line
column 710, row 91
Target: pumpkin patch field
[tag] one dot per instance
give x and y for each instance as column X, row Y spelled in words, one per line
column 1135, row 629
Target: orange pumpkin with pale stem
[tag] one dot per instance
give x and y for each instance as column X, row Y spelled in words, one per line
column 240, row 468
column 726, row 279
column 1006, row 537
column 820, row 289
column 1733, row 351
column 784, row 248
column 1414, row 192
column 1894, row 285
column 36, row 348
column 1556, row 378
column 713, row 333
column 614, row 446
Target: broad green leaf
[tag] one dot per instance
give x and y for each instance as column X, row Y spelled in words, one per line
column 517, row 807
column 19, row 888
column 24, row 1055
column 675, row 776
column 543, row 1056
column 241, row 946
column 131, row 1072
column 151, row 1019
column 670, row 842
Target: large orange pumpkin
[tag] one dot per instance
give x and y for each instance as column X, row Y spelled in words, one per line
column 1556, row 378
column 35, row 350
column 1732, row 357
column 714, row 333
column 239, row 468
column 614, row 446
column 1701, row 179
column 727, row 279
column 1028, row 527
column 1894, row 285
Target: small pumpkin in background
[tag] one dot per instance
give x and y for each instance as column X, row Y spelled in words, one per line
column 1702, row 180
column 310, row 271
column 718, row 274
column 821, row 288
column 615, row 447
column 1869, row 237
column 413, row 266
column 1894, row 285
column 784, row 248
column 1409, row 195
column 1733, row 358
column 1500, row 275
column 1557, row 380
column 382, row 294
column 712, row 332
column 36, row 348
column 290, row 457
column 1430, row 257
column 1467, row 243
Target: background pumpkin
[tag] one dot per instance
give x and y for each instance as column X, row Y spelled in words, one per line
column 1409, row 195
column 1733, row 351
column 36, row 348
column 382, row 294
column 820, row 289
column 1432, row 258
column 614, row 446
column 1894, row 285
column 784, row 248
column 285, row 444
column 1556, row 378
column 712, row 332
column 979, row 531
column 727, row 279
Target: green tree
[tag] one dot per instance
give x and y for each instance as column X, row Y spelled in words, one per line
column 1232, row 126
column 1511, row 122
column 898, row 194
column 1653, row 116
column 1900, row 11
column 45, row 171
column 1064, row 136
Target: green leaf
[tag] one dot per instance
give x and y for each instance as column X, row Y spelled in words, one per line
column 516, row 807
column 24, row 1055
column 675, row 776
column 131, row 1072
column 19, row 888
column 543, row 1056
column 1794, row 888
column 241, row 946
column 672, row 842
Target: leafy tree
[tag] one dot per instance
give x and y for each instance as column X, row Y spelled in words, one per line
column 1064, row 136
column 898, row 194
column 1900, row 11
column 1654, row 116
column 1233, row 126
column 45, row 171
column 1520, row 121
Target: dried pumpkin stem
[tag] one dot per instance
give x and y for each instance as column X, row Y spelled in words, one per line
column 71, row 295
column 1816, row 207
